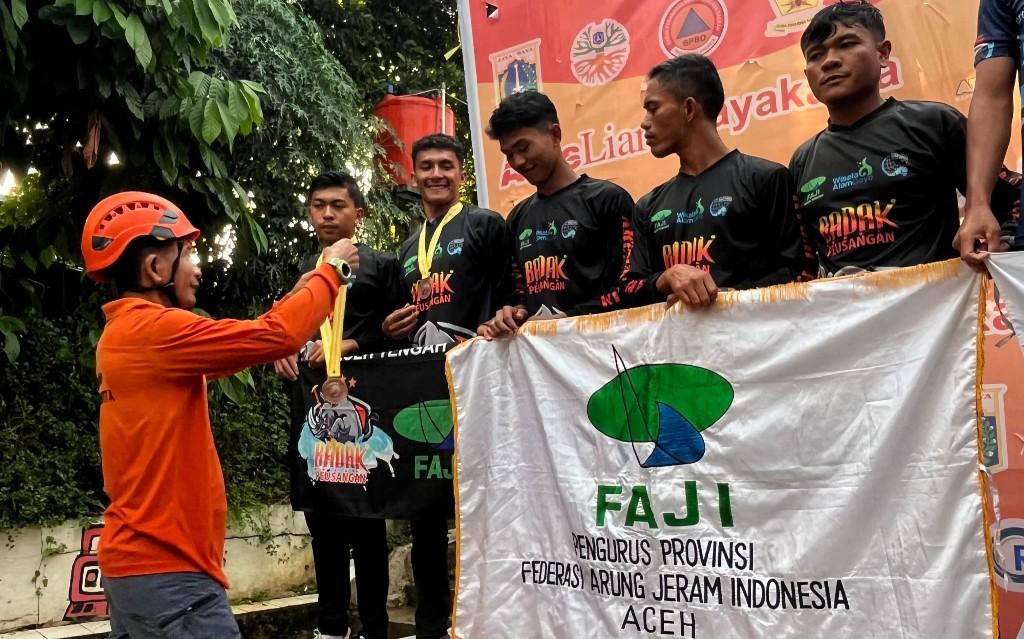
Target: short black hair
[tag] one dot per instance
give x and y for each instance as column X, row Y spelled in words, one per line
column 520, row 110
column 848, row 13
column 692, row 76
column 442, row 142
column 124, row 273
column 329, row 179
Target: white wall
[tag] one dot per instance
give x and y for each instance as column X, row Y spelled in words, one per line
column 37, row 567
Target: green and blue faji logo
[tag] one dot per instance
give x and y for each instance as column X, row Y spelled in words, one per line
column 667, row 405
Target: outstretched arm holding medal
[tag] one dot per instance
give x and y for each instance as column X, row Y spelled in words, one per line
column 163, row 543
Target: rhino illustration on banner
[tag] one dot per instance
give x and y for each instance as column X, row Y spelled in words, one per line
column 669, row 405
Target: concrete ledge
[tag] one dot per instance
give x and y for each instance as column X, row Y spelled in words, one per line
column 51, row 575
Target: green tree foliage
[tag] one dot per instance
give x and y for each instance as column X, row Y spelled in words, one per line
column 409, row 44
column 315, row 120
column 228, row 109
column 87, row 78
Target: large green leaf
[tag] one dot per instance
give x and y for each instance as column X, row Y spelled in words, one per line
column 20, row 12
column 132, row 100
column 195, row 118
column 211, row 122
column 223, row 13
column 138, row 40
column 165, row 161
column 101, row 12
column 228, row 122
column 83, row 7
column 79, row 30
column 8, row 26
column 207, row 22
column 236, row 102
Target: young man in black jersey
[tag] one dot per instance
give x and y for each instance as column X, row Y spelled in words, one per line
column 726, row 220
column 336, row 207
column 571, row 241
column 454, row 270
column 878, row 187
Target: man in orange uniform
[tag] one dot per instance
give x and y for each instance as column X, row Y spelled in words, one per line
column 162, row 549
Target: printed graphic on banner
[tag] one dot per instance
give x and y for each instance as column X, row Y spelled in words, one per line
column 86, row 598
column 599, row 52
column 791, row 16
column 385, row 452
column 517, row 69
column 693, row 26
column 1008, row 554
column 709, row 507
column 341, row 443
column 993, row 439
column 665, row 405
column 429, row 422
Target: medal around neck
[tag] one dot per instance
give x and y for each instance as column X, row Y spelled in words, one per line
column 423, row 289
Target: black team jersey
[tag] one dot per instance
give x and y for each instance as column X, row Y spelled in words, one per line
column 882, row 192
column 735, row 221
column 366, row 305
column 470, row 276
column 367, row 302
column 570, row 248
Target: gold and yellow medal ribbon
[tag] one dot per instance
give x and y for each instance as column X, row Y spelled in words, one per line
column 425, row 254
column 331, row 336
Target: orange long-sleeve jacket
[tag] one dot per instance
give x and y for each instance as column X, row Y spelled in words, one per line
column 160, row 467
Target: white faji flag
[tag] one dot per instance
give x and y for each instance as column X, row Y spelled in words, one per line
column 797, row 462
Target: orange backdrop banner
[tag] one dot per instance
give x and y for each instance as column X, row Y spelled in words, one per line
column 591, row 58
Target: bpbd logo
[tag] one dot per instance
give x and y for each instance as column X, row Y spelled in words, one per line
column 455, row 247
column 661, row 410
column 429, row 422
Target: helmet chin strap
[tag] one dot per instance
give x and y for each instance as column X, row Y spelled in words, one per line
column 168, row 287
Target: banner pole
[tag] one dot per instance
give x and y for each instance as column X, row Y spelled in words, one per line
column 473, row 99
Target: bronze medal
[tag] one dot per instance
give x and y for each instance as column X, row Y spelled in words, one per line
column 423, row 289
column 334, row 390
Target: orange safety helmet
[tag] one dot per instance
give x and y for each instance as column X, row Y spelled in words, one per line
column 120, row 218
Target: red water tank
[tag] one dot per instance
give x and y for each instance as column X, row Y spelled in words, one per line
column 411, row 117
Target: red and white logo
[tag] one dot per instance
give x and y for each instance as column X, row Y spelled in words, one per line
column 599, row 52
column 693, row 26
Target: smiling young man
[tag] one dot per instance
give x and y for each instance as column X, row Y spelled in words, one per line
column 726, row 220
column 454, row 272
column 878, row 187
column 162, row 548
column 572, row 239
column 336, row 208
column 455, row 267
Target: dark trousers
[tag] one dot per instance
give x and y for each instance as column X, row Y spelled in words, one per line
column 176, row 605
column 430, row 571
column 333, row 537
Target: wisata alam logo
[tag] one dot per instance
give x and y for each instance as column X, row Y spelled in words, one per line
column 599, row 53
column 661, row 410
